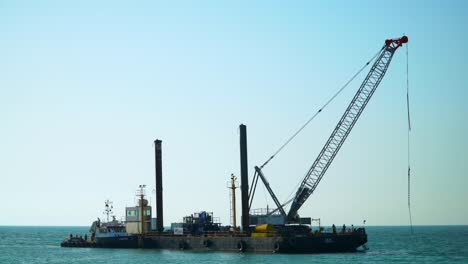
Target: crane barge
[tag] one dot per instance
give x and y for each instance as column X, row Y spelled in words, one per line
column 272, row 231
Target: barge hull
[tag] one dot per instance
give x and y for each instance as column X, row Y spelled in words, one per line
column 118, row 242
column 278, row 244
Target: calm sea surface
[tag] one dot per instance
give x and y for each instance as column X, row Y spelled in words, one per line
column 428, row 244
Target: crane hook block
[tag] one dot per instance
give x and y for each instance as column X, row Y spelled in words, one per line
column 396, row 42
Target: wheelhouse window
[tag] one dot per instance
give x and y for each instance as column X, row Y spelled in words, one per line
column 131, row 213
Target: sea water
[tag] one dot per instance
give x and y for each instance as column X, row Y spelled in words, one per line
column 389, row 244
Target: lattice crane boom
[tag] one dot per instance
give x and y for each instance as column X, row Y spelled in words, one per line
column 344, row 126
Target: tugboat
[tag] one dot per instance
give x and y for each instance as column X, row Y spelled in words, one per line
column 112, row 234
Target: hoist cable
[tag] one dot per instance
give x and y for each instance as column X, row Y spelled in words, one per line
column 320, row 110
column 409, row 137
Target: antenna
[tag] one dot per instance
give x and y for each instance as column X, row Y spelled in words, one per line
column 108, row 209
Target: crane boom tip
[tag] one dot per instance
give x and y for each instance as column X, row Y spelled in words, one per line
column 404, row 39
column 398, row 42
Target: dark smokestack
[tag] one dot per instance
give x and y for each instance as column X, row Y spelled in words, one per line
column 159, row 189
column 244, row 177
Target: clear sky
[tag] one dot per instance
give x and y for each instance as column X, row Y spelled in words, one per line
column 86, row 86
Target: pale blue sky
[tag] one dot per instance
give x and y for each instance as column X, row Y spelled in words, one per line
column 86, row 87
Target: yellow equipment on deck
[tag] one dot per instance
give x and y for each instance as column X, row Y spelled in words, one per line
column 265, row 230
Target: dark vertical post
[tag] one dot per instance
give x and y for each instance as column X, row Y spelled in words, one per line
column 244, row 177
column 159, row 189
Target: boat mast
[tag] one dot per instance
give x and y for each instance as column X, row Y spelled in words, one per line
column 141, row 194
column 233, row 188
column 108, row 208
